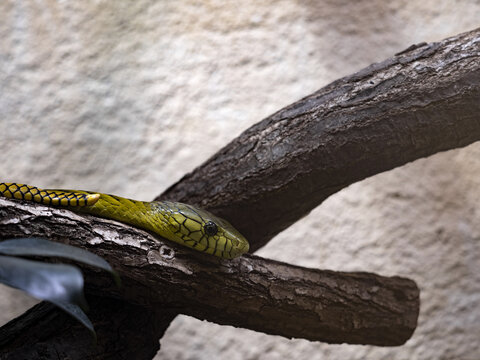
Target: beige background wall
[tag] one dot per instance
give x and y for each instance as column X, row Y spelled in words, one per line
column 126, row 96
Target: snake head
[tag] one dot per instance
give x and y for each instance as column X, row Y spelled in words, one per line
column 203, row 231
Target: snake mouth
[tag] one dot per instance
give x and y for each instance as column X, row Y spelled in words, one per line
column 240, row 248
column 246, row 247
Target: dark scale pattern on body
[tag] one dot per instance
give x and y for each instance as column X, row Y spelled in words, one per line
column 52, row 197
column 182, row 223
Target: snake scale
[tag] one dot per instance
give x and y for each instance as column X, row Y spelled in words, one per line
column 184, row 224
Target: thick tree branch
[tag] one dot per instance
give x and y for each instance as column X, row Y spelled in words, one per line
column 251, row 292
column 124, row 331
column 422, row 101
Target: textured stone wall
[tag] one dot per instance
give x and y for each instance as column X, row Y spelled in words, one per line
column 125, row 97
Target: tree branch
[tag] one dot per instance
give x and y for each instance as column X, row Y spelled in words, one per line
column 422, row 101
column 250, row 291
column 415, row 104
column 124, row 331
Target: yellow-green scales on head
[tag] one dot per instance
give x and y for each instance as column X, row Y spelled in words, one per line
column 181, row 223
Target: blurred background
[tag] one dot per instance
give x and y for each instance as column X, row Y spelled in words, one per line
column 125, row 97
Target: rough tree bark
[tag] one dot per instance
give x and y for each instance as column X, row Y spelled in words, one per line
column 43, row 332
column 419, row 102
column 250, row 291
column 422, row 101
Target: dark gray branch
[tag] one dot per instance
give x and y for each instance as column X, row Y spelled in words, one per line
column 251, row 292
column 422, row 101
column 124, row 331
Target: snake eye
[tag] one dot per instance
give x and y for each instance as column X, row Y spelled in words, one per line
column 210, row 228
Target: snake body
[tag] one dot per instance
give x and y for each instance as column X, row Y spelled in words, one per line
column 178, row 222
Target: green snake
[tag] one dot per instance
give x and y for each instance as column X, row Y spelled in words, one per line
column 184, row 224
